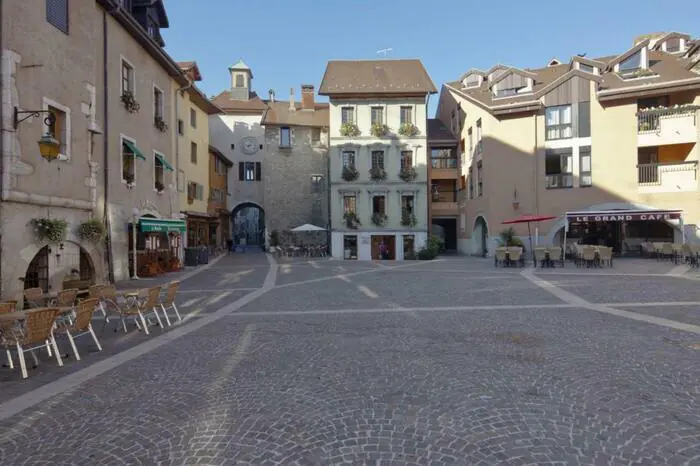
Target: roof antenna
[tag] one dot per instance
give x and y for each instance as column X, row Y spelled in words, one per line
column 384, row 51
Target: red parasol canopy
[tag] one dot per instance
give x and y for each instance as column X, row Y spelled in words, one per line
column 528, row 219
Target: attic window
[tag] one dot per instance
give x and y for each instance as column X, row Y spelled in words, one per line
column 673, row 45
column 554, row 62
column 473, row 80
column 632, row 63
column 586, row 68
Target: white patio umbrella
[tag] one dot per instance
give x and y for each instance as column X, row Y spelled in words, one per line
column 307, row 227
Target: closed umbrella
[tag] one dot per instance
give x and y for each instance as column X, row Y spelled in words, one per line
column 529, row 219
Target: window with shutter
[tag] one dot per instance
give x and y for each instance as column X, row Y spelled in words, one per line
column 200, row 191
column 258, row 171
column 57, row 14
column 241, row 171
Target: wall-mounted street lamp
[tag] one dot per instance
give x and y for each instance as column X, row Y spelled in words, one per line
column 49, row 146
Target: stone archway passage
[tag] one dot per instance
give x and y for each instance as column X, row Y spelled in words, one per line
column 481, row 235
column 37, row 275
column 248, row 220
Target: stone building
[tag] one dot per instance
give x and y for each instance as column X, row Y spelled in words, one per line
column 109, row 131
column 295, row 164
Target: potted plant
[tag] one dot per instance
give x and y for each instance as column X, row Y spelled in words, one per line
column 351, row 220
column 350, row 173
column 160, row 124
column 379, row 219
column 431, row 249
column 508, row 238
column 408, row 174
column 129, row 102
column 52, row 230
column 129, row 178
column 93, row 230
column 407, row 218
column 377, row 174
column 160, row 187
column 349, row 129
column 408, row 129
column 379, row 130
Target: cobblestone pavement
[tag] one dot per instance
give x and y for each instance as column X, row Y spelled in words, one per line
column 443, row 362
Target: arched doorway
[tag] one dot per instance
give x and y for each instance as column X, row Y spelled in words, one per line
column 248, row 219
column 87, row 268
column 37, row 275
column 480, row 236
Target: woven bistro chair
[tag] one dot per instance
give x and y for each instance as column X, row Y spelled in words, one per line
column 605, row 255
column 169, row 301
column 82, row 325
column 555, row 255
column 139, row 308
column 8, row 306
column 34, row 297
column 95, row 292
column 38, row 329
column 541, row 257
column 65, row 300
column 515, row 256
column 499, row 257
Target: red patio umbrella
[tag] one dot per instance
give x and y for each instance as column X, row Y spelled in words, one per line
column 529, row 218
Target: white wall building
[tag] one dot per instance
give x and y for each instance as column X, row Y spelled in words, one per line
column 378, row 157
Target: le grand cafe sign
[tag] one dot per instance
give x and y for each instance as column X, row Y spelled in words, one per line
column 626, row 217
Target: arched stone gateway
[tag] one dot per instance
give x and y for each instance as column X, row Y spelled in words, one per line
column 51, row 264
column 480, row 235
column 248, row 220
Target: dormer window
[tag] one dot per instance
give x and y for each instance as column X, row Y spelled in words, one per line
column 473, row 80
column 673, row 45
column 240, row 80
column 631, row 63
column 587, row 68
column 511, row 85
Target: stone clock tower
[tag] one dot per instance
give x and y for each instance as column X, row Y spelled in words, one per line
column 241, row 77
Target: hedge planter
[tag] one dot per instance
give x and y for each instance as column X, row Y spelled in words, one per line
column 377, row 174
column 379, row 130
column 379, row 219
column 50, row 230
column 408, row 130
column 349, row 130
column 351, row 220
column 350, row 173
column 129, row 102
column 93, row 231
column 408, row 174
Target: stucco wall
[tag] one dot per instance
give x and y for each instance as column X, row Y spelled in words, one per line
column 193, row 172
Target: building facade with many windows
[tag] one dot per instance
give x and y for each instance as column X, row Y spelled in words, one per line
column 378, row 157
column 616, row 137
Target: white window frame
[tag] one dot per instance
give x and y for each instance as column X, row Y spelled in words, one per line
column 123, row 60
column 122, row 138
column 155, row 152
column 46, row 103
column 162, row 101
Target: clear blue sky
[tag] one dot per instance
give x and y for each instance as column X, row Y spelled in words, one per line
column 287, row 43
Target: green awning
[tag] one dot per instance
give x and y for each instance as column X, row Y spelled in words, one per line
column 162, row 225
column 164, row 162
column 135, row 150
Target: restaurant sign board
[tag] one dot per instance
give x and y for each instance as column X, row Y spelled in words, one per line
column 581, row 217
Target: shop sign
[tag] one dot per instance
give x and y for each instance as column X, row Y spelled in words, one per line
column 628, row 217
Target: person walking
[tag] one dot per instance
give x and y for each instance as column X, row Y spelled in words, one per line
column 383, row 251
column 243, row 242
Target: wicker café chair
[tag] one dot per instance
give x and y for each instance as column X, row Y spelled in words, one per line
column 38, row 329
column 34, row 297
column 82, row 325
column 95, row 292
column 169, row 301
column 140, row 308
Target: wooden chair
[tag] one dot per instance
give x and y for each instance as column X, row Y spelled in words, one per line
column 38, row 330
column 82, row 325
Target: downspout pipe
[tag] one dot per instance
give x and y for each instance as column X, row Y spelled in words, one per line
column 6, row 133
column 178, row 93
column 2, row 132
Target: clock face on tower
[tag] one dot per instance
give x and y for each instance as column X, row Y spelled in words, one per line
column 249, row 145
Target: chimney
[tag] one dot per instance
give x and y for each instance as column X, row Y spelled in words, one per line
column 307, row 97
column 292, row 104
column 271, row 93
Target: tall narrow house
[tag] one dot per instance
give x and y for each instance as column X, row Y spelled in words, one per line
column 378, row 157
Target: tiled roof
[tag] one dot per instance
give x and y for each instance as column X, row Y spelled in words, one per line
column 666, row 68
column 437, row 131
column 253, row 105
column 278, row 113
column 376, row 77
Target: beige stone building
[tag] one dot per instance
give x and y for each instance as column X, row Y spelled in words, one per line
column 295, row 164
column 608, row 145
column 112, row 113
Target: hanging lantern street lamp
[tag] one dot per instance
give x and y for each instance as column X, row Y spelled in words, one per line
column 49, row 146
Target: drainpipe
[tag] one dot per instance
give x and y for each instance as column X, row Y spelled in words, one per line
column 2, row 132
column 329, row 236
column 179, row 92
column 105, row 116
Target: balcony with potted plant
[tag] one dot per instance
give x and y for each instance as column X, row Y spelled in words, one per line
column 379, row 219
column 351, row 220
column 160, row 187
column 379, row 130
column 377, row 174
column 408, row 130
column 408, row 219
column 129, row 101
column 160, row 124
column 408, row 174
column 350, row 173
column 349, row 129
